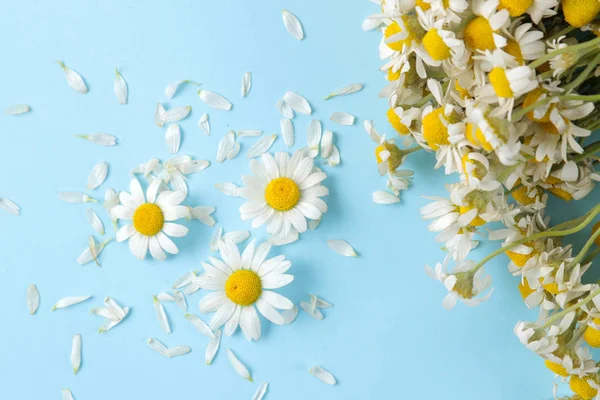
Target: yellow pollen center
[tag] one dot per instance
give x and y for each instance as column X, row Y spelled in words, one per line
column 515, row 7
column 592, row 335
column 243, row 287
column 423, row 4
column 472, row 167
column 525, row 289
column 531, row 98
column 435, row 46
column 476, row 137
column 522, row 195
column 500, row 82
column 463, row 93
column 512, row 47
column 582, row 387
column 393, row 76
column 434, row 131
column 393, row 29
column 477, row 221
column 282, row 194
column 478, row 34
column 148, row 219
column 394, row 120
column 395, row 158
column 556, row 368
column 580, row 12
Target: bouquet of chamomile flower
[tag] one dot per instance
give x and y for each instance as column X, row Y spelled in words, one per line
column 504, row 92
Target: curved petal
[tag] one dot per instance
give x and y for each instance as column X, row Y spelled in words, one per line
column 128, row 201
column 155, row 249
column 270, row 165
column 173, row 213
column 220, row 265
column 261, row 253
column 312, row 180
column 247, row 255
column 276, row 281
column 304, row 168
column 230, row 253
column 277, row 300
column 136, row 191
column 153, row 190
column 308, row 210
column 269, row 312
column 250, row 323
column 138, row 245
column 212, row 302
column 222, row 315
column 297, row 219
column 166, row 243
column 122, row 212
column 233, row 322
column 175, row 230
column 125, row 232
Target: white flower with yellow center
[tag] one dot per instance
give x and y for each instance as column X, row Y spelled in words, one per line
column 524, row 43
column 241, row 283
column 482, row 32
column 450, row 9
column 440, row 46
column 149, row 225
column 283, row 193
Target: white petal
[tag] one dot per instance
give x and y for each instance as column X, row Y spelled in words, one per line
column 228, row 188
column 76, row 353
column 101, row 139
column 178, row 351
column 342, row 118
column 349, row 89
column 33, row 298
column 284, row 109
column 75, row 197
column 212, row 347
column 292, row 25
column 249, row 133
column 326, row 144
column 289, row 315
column 17, row 109
column 200, row 325
column 319, row 303
column 180, row 300
column 69, row 301
column 173, row 138
column 114, row 307
column 310, row 310
column 225, row 146
column 237, row 365
column 261, row 391
column 341, row 247
column 161, row 315
column 261, row 146
column 287, row 131
column 216, row 238
column 66, row 394
column 164, row 296
column 297, row 103
column 322, row 375
column 97, row 176
column 9, row 206
column 246, row 84
column 204, row 124
column 87, row 256
column 313, row 134
column 175, row 114
column 159, row 114
column 184, row 280
column 95, row 221
column 74, row 79
column 214, row 100
column 157, row 346
column 237, row 237
column 111, row 324
column 234, row 151
column 383, row 197
column 120, row 87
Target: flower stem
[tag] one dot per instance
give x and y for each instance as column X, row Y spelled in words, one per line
column 593, row 97
column 519, row 114
column 584, row 74
column 567, row 310
column 585, row 249
column 566, row 49
column 588, row 150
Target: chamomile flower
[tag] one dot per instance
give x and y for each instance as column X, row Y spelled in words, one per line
column 283, row 192
column 483, row 31
column 150, row 218
column 243, row 283
column 523, row 42
column 439, row 45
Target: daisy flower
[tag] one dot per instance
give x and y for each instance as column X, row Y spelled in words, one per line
column 241, row 283
column 149, row 227
column 481, row 33
column 524, row 43
column 283, row 192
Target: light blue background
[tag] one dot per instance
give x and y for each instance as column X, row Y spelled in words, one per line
column 387, row 336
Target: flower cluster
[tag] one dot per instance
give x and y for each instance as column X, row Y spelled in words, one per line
column 503, row 92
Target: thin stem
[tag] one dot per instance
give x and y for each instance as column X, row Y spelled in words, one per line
column 561, row 33
column 593, row 97
column 519, row 114
column 584, row 74
column 567, row 310
column 585, row 249
column 588, row 150
column 412, row 150
column 567, row 49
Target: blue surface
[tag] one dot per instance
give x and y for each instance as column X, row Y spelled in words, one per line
column 386, row 337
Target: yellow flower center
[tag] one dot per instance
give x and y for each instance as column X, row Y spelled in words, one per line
column 282, row 194
column 524, row 288
column 393, row 29
column 476, row 137
column 500, row 82
column 521, row 195
column 512, row 47
column 477, row 221
column 423, row 4
column 414, row 31
column 462, row 92
column 148, row 219
column 472, row 167
column 435, row 46
column 561, row 194
column 515, row 7
column 434, row 131
column 580, row 12
column 395, row 158
column 531, row 98
column 591, row 335
column 582, row 387
column 556, row 368
column 393, row 76
column 520, row 259
column 394, row 120
column 243, row 287
column 478, row 34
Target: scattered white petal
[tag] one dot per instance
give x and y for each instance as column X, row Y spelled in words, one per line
column 319, row 303
column 225, row 146
column 75, row 197
column 383, row 197
column 237, row 365
column 326, row 144
column 204, row 124
column 101, row 139
column 97, row 176
column 234, row 151
column 287, row 131
column 322, row 375
column 171, row 88
column 66, row 394
column 246, row 84
column 297, row 103
column 161, row 315
column 70, row 301
column 214, row 100
column 313, row 137
column 342, row 118
column 284, row 109
column 176, row 114
column 74, row 79
column 292, row 237
column 95, row 221
column 200, row 325
column 173, row 138
column 292, row 25
column 261, row 146
column 216, row 238
column 178, row 351
column 228, row 188
column 87, row 256
column 249, row 133
column 341, row 247
column 159, row 114
column 353, row 88
column 334, row 158
column 310, row 310
column 164, row 296
column 17, row 109
column 157, row 346
column 212, row 347
column 184, row 280
column 313, row 223
column 33, row 298
column 112, row 305
column 76, row 353
column 289, row 315
column 260, row 392
column 111, row 323
column 237, row 237
column 203, row 214
column 180, row 300
column 9, row 206
column 120, row 87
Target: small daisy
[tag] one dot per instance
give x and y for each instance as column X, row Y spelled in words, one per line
column 440, row 46
column 241, row 282
column 283, row 193
column 524, row 43
column 482, row 32
column 149, row 229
